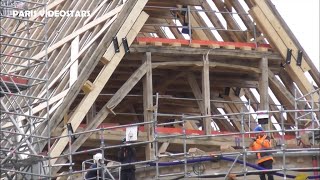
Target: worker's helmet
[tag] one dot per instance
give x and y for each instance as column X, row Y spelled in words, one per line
column 258, row 129
column 97, row 157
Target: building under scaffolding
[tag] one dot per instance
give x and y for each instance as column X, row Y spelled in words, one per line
column 186, row 80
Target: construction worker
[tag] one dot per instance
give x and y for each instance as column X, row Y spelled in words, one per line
column 94, row 173
column 127, row 154
column 264, row 159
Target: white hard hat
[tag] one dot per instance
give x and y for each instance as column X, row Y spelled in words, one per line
column 97, row 156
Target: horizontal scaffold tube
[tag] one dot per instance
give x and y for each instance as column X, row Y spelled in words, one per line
column 209, row 158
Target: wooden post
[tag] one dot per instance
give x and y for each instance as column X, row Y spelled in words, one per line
column 206, row 97
column 148, row 105
column 263, row 88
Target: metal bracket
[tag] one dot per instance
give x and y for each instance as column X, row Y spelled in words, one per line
column 115, row 44
column 125, row 45
column 299, row 58
column 289, row 54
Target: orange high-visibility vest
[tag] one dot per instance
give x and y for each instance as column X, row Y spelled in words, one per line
column 262, row 143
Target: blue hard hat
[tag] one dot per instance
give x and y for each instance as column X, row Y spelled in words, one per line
column 258, row 128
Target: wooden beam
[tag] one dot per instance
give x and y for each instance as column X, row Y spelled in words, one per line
column 201, row 23
column 226, row 36
column 163, row 147
column 161, row 87
column 196, row 91
column 206, row 96
column 148, row 105
column 198, row 95
column 104, row 112
column 282, row 33
column 295, row 72
column 200, row 51
column 238, row 107
column 264, row 84
column 92, row 60
column 85, row 105
column 244, row 17
column 263, row 89
column 230, row 20
column 210, row 64
column 314, row 72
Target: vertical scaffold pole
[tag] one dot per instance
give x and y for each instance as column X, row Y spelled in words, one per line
column 283, row 145
column 243, row 146
column 155, row 138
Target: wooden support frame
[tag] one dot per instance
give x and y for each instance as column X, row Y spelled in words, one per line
column 104, row 112
column 198, row 95
column 263, row 88
column 206, row 96
column 295, row 72
column 148, row 105
column 76, row 118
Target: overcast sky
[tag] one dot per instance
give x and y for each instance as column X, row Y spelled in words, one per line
column 302, row 16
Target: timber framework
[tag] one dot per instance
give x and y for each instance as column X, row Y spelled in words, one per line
column 187, row 80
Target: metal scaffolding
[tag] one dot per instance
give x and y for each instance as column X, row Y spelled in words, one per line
column 23, row 113
column 193, row 165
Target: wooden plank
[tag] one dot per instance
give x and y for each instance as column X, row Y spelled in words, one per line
column 200, row 51
column 226, row 36
column 198, row 95
column 263, row 89
column 293, row 70
column 314, row 72
column 281, row 32
column 99, row 83
column 264, row 84
column 74, row 59
column 201, row 42
column 196, row 91
column 148, row 105
column 160, row 88
column 206, row 96
column 201, row 23
column 244, row 17
column 163, row 147
column 95, row 11
column 237, row 108
column 121, row 93
column 104, row 112
column 211, row 65
column 74, row 67
column 230, row 20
